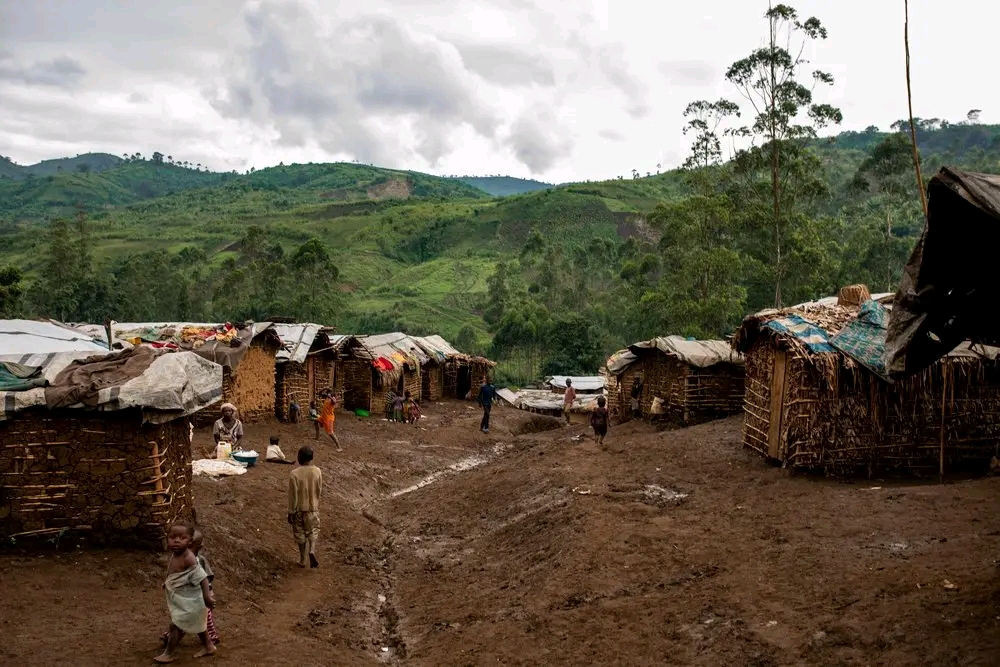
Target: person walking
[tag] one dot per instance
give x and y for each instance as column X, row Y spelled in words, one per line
column 487, row 395
column 568, row 398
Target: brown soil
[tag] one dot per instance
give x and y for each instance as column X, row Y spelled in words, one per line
column 534, row 546
column 392, row 189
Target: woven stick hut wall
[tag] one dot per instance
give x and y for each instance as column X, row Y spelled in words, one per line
column 695, row 381
column 816, row 397
column 247, row 354
column 306, row 364
column 439, row 353
column 377, row 366
column 110, row 464
column 463, row 375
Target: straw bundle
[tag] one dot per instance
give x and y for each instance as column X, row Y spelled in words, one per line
column 853, row 295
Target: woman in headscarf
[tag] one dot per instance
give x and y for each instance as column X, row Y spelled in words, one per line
column 229, row 428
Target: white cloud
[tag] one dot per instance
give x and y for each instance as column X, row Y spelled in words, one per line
column 561, row 91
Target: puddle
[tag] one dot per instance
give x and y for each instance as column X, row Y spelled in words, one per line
column 462, row 465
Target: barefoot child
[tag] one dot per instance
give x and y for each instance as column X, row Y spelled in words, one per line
column 599, row 420
column 304, row 487
column 412, row 411
column 213, row 633
column 189, row 596
column 328, row 416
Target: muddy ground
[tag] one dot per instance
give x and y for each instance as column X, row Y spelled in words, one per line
column 534, row 546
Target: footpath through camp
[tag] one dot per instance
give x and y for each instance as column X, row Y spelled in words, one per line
column 532, row 545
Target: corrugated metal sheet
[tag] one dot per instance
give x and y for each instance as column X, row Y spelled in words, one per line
column 296, row 340
column 19, row 338
column 588, row 383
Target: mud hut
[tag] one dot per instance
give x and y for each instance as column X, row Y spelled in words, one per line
column 305, row 365
column 247, row 353
column 99, row 446
column 817, row 397
column 375, row 366
column 464, row 374
column 440, row 354
column 676, row 379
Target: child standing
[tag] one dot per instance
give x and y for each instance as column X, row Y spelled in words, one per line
column 599, row 420
column 189, row 595
column 328, row 416
column 397, row 408
column 304, row 487
column 314, row 417
column 213, row 633
column 568, row 398
column 293, row 410
column 412, row 411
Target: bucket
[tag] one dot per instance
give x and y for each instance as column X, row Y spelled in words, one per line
column 361, row 412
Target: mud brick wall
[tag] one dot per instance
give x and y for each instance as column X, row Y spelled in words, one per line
column 324, row 373
column 101, row 475
column 432, row 382
column 386, row 384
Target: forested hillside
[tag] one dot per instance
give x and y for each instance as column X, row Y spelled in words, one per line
column 547, row 280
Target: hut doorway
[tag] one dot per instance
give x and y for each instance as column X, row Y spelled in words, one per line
column 463, row 382
column 777, row 405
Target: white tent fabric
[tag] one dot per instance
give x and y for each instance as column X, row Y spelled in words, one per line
column 20, row 338
column 591, row 383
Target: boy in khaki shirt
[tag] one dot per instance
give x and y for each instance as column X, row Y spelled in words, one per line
column 304, row 487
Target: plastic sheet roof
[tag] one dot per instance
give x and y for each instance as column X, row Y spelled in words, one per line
column 698, row 353
column 390, row 352
column 19, row 338
column 173, row 385
column 437, row 348
column 583, row 383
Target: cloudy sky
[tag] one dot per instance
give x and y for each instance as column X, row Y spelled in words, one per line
column 554, row 89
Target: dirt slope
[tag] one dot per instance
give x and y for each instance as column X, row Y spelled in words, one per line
column 532, row 546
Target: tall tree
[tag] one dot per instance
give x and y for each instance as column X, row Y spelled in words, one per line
column 769, row 80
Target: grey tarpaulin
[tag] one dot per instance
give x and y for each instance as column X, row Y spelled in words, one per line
column 698, row 353
column 949, row 289
column 171, row 385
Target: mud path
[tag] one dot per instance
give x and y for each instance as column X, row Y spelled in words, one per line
column 534, row 546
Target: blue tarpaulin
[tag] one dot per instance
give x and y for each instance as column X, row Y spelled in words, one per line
column 863, row 338
column 807, row 333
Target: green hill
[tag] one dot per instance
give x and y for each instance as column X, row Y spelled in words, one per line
column 504, row 186
column 369, row 249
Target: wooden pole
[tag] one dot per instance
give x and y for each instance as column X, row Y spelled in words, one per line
column 944, row 396
column 909, row 103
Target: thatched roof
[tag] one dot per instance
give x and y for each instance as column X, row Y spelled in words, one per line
column 828, row 333
column 298, row 339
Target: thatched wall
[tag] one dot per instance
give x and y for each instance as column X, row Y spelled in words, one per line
column 432, row 382
column 103, row 475
column 846, row 420
column 303, row 381
column 358, row 379
column 385, row 383
column 691, row 395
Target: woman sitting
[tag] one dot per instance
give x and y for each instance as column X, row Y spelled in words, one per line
column 229, row 428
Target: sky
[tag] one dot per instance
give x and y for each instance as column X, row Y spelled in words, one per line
column 557, row 90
